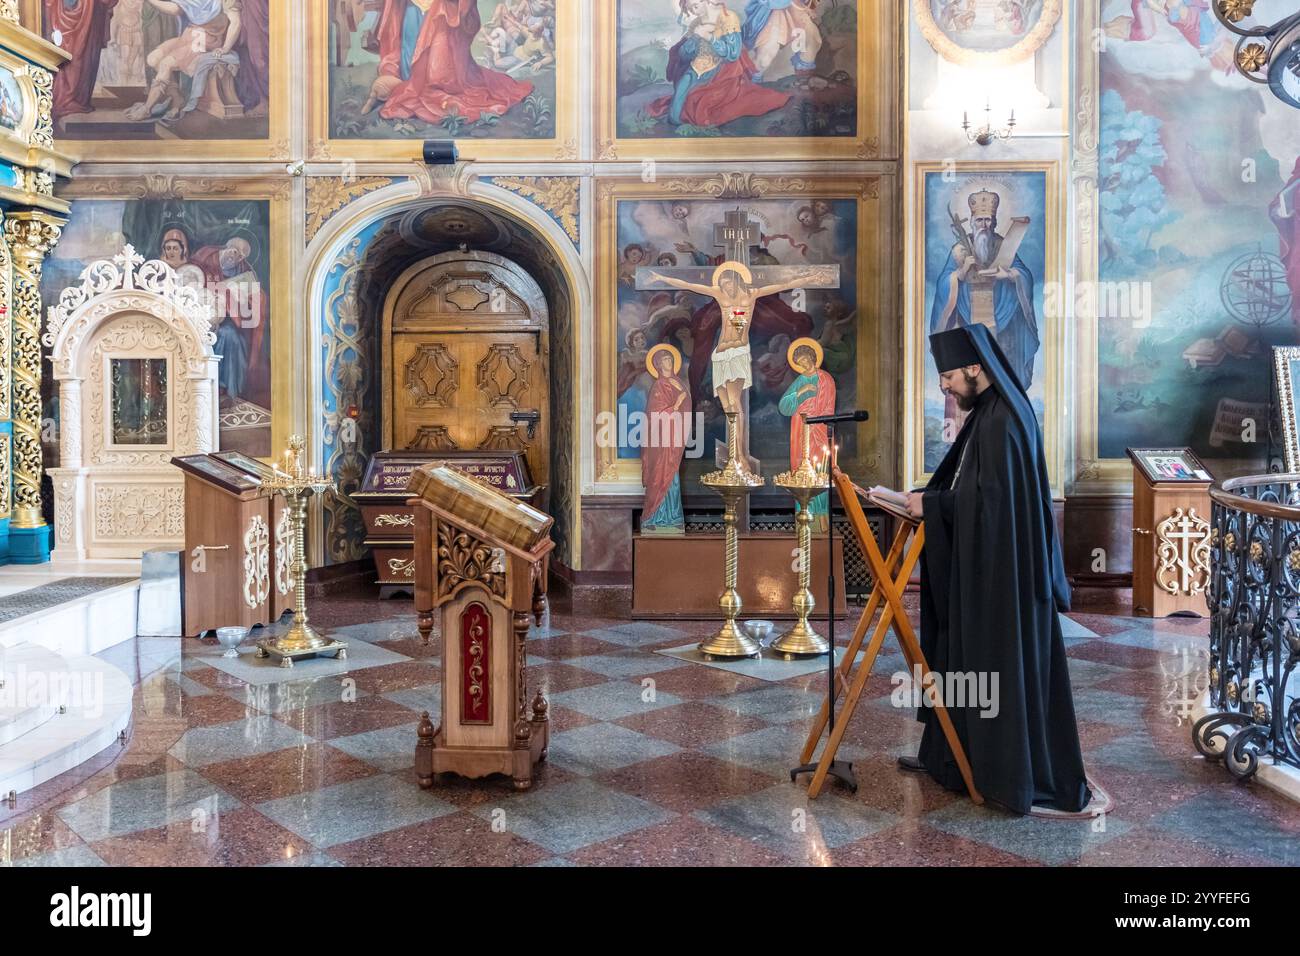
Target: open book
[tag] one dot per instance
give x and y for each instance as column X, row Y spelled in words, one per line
column 895, row 502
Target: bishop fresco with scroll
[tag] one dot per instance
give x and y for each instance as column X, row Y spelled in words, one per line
column 985, row 282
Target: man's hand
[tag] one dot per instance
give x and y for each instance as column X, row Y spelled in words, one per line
column 915, row 504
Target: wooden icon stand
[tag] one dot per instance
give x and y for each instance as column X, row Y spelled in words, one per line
column 891, row 573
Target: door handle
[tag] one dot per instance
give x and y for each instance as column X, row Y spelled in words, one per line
column 532, row 416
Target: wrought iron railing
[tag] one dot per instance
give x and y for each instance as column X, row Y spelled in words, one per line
column 1254, row 602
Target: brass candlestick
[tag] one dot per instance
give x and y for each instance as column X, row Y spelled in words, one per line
column 297, row 485
column 804, row 483
column 732, row 483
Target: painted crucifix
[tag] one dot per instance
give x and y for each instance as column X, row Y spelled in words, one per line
column 738, row 289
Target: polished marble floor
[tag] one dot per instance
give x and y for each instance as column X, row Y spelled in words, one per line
column 654, row 760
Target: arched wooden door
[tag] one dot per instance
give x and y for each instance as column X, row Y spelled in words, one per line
column 466, row 345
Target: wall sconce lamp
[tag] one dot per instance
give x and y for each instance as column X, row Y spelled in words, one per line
column 987, row 134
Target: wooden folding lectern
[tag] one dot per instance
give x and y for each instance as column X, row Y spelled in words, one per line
column 481, row 561
column 891, row 573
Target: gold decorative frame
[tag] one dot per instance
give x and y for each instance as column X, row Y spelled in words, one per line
column 876, row 305
column 878, row 54
column 279, row 192
column 570, row 45
column 1283, row 356
column 1052, row 340
column 276, row 145
column 954, row 52
column 1090, row 474
column 21, row 71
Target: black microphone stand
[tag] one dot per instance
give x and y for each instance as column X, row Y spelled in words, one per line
column 841, row 770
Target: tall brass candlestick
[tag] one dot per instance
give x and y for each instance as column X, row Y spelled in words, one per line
column 297, row 485
column 732, row 483
column 804, row 483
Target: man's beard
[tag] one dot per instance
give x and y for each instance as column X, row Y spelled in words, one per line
column 984, row 246
column 966, row 401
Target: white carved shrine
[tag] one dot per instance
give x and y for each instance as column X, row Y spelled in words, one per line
column 132, row 349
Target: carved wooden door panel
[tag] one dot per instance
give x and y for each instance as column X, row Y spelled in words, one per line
column 468, row 347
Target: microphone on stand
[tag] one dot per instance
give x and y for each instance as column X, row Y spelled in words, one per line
column 861, row 415
column 841, row 770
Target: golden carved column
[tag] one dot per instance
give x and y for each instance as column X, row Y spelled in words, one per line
column 31, row 234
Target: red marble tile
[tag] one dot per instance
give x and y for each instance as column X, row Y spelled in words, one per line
column 685, row 780
column 214, row 709
column 1103, row 625
column 33, row 834
column 1137, row 683
column 413, row 647
column 1120, row 655
column 555, row 678
column 698, row 682
column 215, row 679
column 683, row 841
column 691, row 725
column 283, row 773
column 562, row 719
column 1151, row 846
column 883, row 785
column 241, row 837
column 915, row 844
column 400, row 676
column 1139, row 796
column 567, row 646
column 466, row 793
column 344, row 718
column 457, row 839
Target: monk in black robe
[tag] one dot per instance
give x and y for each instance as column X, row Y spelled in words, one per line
column 992, row 584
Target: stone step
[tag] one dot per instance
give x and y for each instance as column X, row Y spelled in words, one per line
column 25, row 671
column 98, row 709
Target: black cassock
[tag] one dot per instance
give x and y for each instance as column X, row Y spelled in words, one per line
column 992, row 582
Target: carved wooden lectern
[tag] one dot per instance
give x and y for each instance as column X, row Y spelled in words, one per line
column 1171, row 532
column 238, row 545
column 481, row 560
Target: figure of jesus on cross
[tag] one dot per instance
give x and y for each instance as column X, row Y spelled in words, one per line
column 732, row 287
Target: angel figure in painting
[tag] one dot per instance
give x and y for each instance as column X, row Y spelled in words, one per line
column 811, row 394
column 668, row 412
column 732, row 367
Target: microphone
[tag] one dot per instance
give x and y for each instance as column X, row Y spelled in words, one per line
column 861, row 415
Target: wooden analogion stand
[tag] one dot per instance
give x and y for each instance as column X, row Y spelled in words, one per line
column 480, row 561
column 1171, row 532
column 891, row 573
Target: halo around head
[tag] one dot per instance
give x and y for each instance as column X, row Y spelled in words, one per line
column 662, row 347
column 800, row 343
column 739, row 268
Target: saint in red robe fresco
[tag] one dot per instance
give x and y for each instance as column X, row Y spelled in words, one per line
column 668, row 412
column 426, row 69
column 810, row 395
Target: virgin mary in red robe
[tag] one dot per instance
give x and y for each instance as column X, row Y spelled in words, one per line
column 443, row 77
column 668, row 410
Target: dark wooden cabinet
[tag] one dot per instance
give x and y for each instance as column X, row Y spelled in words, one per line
column 390, row 520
